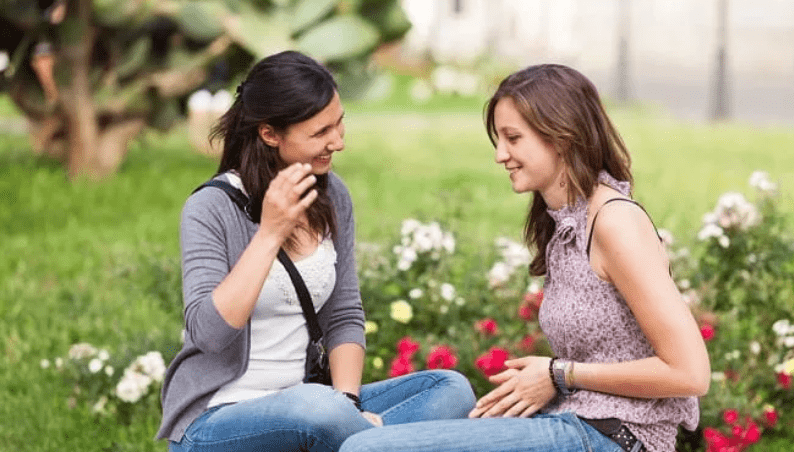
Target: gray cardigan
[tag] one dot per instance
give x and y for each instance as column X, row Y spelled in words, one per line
column 213, row 235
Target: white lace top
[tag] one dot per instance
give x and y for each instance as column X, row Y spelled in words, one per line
column 279, row 335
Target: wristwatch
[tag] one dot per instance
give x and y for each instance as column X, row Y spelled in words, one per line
column 558, row 369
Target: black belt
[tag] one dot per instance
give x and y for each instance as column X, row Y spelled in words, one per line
column 615, row 430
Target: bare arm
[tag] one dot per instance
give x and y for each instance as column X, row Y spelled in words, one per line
column 629, row 255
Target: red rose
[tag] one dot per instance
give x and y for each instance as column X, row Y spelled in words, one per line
column 492, row 362
column 526, row 312
column 784, row 380
column 487, row 327
column 752, row 434
column 407, row 347
column 534, row 299
column 715, row 439
column 707, row 331
column 730, row 416
column 737, row 431
column 401, row 365
column 770, row 417
column 441, row 357
column 527, row 344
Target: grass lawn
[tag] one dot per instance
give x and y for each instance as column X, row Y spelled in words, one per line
column 98, row 262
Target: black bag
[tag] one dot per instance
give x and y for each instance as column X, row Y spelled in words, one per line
column 317, row 368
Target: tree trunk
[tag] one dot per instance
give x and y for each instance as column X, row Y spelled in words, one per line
column 76, row 102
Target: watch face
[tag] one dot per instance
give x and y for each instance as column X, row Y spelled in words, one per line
column 559, row 365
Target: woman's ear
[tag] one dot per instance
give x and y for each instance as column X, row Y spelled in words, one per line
column 269, row 135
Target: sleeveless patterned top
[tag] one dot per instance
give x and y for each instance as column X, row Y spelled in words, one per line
column 587, row 320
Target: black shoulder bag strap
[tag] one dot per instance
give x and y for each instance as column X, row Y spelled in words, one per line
column 239, row 198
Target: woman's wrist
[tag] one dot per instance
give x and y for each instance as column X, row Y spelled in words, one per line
column 561, row 374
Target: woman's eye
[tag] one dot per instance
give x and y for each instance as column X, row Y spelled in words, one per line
column 512, row 138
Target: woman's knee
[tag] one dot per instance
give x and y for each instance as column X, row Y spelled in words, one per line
column 459, row 389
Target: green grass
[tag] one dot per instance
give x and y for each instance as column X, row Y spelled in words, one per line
column 98, row 262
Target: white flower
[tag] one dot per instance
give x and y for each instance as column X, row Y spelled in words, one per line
column 377, row 362
column 460, row 301
column 447, row 291
column 789, row 341
column 499, row 274
column 95, row 365
column 724, row 241
column 58, row 363
column 415, row 293
column 103, row 355
column 370, row 327
column 45, row 363
column 82, row 350
column 109, row 371
column 781, row 327
column 733, row 210
column 710, row 230
column 448, row 243
column 718, row 376
column 152, row 365
column 409, row 226
column 690, row 297
column 684, row 284
column 755, row 347
column 760, row 181
column 133, row 386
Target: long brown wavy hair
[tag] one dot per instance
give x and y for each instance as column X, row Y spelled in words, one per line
column 563, row 107
column 280, row 90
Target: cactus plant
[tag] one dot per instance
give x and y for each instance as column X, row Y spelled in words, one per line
column 92, row 79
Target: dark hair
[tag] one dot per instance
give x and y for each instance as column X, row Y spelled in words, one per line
column 563, row 107
column 281, row 90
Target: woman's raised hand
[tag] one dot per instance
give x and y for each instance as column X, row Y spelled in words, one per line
column 524, row 388
column 282, row 205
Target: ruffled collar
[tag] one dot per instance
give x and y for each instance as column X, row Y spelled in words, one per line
column 567, row 215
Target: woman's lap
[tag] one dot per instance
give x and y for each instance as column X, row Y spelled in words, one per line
column 317, row 418
column 561, row 433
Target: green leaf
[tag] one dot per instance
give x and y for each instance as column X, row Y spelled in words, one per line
column 390, row 19
column 339, row 38
column 202, row 20
column 309, row 12
column 259, row 33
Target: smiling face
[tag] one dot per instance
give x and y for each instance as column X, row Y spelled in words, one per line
column 533, row 163
column 311, row 141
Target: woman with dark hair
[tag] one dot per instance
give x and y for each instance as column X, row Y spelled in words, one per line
column 238, row 382
column 629, row 358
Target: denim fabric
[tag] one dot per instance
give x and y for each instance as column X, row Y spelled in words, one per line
column 542, row 433
column 312, row 417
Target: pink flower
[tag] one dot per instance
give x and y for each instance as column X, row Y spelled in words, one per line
column 730, row 416
column 707, row 331
column 784, row 380
column 492, row 362
column 770, row 417
column 487, row 327
column 407, row 347
column 441, row 357
column 401, row 365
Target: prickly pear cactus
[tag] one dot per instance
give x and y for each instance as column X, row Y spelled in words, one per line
column 90, row 75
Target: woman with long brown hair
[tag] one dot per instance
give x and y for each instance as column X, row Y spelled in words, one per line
column 629, row 358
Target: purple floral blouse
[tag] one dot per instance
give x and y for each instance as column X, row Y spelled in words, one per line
column 587, row 320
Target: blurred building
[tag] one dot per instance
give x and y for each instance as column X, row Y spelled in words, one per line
column 671, row 46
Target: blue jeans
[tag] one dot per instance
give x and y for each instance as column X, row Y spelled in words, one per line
column 312, row 417
column 541, row 433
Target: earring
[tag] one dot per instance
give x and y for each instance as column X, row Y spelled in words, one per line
column 562, row 183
